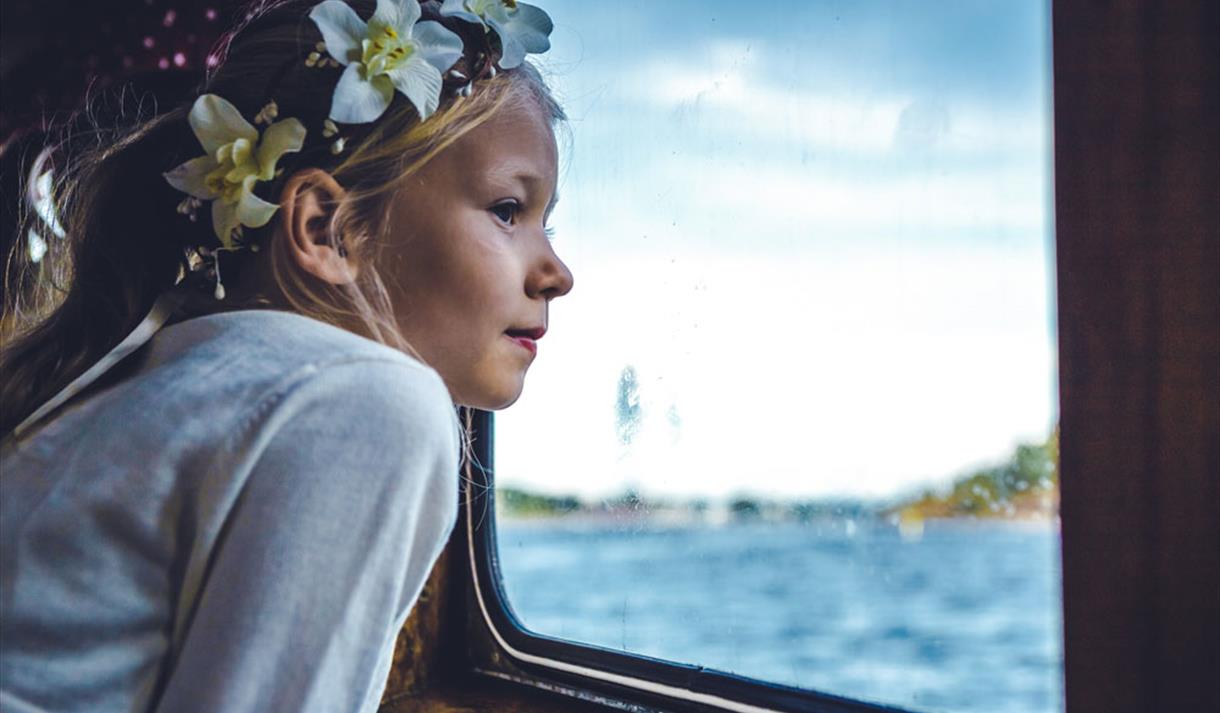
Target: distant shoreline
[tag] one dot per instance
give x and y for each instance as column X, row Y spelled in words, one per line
column 606, row 521
column 1025, row 488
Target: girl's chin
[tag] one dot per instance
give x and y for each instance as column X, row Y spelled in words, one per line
column 495, row 397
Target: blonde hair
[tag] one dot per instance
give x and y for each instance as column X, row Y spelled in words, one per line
column 124, row 242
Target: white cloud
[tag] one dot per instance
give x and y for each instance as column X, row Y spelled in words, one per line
column 825, row 375
column 740, row 90
column 718, row 143
column 829, row 204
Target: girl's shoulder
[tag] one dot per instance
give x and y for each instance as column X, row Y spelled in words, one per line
column 222, row 382
column 251, row 362
column 273, row 339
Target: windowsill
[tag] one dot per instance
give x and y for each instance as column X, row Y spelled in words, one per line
column 476, row 693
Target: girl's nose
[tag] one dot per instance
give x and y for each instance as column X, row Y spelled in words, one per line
column 550, row 278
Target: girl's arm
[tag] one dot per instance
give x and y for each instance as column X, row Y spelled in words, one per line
column 326, row 549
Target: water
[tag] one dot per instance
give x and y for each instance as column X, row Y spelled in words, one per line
column 963, row 619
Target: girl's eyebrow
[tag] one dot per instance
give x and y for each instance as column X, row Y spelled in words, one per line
column 531, row 181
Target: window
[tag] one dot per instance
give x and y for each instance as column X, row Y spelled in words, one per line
column 796, row 422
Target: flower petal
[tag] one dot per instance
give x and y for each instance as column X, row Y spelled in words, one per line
column 497, row 10
column 420, row 82
column 189, row 177
column 437, row 44
column 532, row 27
column 279, row 138
column 252, row 211
column 358, row 101
column 512, row 51
column 457, row 8
column 341, row 28
column 242, row 160
column 224, row 220
column 399, row 14
column 216, row 122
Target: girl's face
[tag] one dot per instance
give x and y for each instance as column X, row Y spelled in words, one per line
column 473, row 269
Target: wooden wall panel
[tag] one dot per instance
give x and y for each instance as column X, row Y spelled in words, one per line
column 1138, row 241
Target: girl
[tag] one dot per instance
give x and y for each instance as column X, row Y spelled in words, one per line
column 231, row 452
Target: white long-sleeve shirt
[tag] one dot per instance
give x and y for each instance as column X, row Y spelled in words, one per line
column 238, row 518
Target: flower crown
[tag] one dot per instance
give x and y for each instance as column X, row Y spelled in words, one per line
column 394, row 51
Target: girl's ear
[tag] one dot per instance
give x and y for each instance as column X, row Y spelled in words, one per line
column 307, row 204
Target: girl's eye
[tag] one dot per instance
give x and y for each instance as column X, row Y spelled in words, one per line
column 506, row 211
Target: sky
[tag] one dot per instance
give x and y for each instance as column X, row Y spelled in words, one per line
column 819, row 232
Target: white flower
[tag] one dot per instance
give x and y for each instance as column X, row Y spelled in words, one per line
column 44, row 205
column 392, row 51
column 522, row 28
column 236, row 159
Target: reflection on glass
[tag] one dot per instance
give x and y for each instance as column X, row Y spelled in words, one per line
column 796, row 420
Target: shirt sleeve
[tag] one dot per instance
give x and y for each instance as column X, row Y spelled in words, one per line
column 348, row 504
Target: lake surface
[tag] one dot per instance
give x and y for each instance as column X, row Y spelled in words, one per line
column 965, row 618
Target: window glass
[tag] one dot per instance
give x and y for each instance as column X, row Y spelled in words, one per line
column 796, row 420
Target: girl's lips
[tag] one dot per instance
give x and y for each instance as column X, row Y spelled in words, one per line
column 525, row 343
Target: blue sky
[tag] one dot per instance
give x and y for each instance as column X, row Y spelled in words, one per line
column 819, row 231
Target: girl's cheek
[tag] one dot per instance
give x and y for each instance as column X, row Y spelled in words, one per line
column 489, row 240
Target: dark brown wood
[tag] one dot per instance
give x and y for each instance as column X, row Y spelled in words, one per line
column 484, row 695
column 1138, row 243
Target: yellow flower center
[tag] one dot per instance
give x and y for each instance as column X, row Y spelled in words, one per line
column 237, row 162
column 384, row 50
